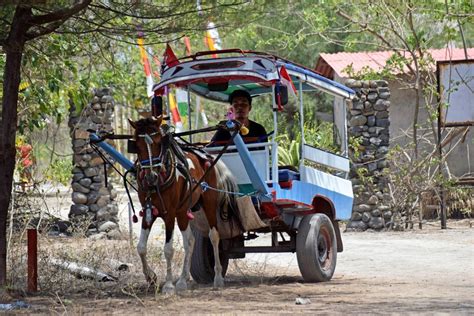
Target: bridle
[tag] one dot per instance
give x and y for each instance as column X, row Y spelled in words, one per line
column 152, row 173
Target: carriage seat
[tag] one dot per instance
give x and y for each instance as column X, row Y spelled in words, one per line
column 286, row 177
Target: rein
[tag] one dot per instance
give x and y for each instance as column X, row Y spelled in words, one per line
column 126, row 183
column 214, row 162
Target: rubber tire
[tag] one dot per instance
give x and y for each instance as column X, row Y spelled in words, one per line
column 202, row 260
column 316, row 248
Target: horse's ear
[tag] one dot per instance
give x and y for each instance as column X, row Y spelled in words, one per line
column 134, row 124
column 157, row 120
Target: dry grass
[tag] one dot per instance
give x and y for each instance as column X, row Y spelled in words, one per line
column 60, row 291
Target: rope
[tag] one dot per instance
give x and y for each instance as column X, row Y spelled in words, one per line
column 110, row 163
column 125, row 182
column 206, row 186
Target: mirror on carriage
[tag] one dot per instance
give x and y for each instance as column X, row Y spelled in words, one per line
column 156, row 106
column 281, row 94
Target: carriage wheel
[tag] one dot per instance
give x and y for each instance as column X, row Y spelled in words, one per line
column 316, row 248
column 202, row 261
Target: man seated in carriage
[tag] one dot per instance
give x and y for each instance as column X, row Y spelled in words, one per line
column 241, row 105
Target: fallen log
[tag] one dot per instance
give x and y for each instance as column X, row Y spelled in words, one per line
column 82, row 271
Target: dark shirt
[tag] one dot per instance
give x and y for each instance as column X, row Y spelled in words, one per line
column 256, row 134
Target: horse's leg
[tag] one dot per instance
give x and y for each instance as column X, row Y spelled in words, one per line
column 188, row 243
column 168, row 288
column 218, row 279
column 209, row 199
column 141, row 249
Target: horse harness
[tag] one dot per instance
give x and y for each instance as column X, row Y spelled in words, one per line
column 157, row 174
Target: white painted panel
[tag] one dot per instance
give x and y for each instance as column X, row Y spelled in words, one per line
column 326, row 158
column 260, row 158
column 326, row 181
column 457, row 90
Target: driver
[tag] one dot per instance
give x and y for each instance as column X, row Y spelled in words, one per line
column 241, row 105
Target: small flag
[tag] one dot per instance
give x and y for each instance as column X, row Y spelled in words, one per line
column 286, row 81
column 175, row 113
column 187, row 43
column 169, row 58
column 146, row 66
column 205, row 122
column 182, row 100
column 212, row 38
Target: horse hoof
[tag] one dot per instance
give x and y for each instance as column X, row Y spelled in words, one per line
column 168, row 289
column 218, row 283
column 181, row 285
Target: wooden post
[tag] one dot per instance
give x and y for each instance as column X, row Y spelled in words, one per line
column 442, row 201
column 32, row 260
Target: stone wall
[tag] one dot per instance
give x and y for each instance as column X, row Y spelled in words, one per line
column 369, row 123
column 93, row 201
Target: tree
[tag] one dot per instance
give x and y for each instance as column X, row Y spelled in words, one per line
column 25, row 26
column 409, row 28
column 25, row 23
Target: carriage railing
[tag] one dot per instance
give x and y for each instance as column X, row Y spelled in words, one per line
column 326, row 158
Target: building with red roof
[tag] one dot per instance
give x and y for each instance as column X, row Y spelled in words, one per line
column 336, row 66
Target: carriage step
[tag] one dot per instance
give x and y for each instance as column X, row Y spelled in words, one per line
column 293, row 207
column 297, row 210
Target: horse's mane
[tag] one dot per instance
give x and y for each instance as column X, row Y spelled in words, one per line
column 144, row 123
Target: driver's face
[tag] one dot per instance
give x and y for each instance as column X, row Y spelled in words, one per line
column 241, row 108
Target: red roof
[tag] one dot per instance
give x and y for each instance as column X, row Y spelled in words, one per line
column 328, row 64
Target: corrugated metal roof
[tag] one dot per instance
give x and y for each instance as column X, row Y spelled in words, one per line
column 330, row 64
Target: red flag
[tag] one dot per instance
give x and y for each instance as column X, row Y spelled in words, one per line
column 169, row 58
column 286, row 80
column 187, row 43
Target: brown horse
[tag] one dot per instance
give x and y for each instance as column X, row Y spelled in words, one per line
column 167, row 177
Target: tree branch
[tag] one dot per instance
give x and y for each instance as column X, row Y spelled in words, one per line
column 40, row 30
column 61, row 14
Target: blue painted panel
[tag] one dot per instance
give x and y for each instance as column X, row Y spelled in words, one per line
column 304, row 192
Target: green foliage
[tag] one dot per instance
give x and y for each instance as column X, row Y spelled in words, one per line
column 59, row 171
column 291, row 29
column 320, row 136
column 355, row 149
column 288, row 151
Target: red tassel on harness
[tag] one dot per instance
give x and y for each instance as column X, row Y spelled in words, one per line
column 207, row 164
column 190, row 215
column 155, row 211
column 140, row 213
column 134, row 218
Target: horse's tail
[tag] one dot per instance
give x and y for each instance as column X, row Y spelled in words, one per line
column 228, row 187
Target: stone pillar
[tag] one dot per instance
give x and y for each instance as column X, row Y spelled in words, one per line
column 93, row 201
column 369, row 127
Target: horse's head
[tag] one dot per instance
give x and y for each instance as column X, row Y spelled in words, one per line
column 149, row 135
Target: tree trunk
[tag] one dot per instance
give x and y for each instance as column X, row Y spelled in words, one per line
column 13, row 47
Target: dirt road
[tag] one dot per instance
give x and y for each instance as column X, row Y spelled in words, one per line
column 426, row 272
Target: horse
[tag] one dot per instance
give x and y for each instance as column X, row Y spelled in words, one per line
column 168, row 188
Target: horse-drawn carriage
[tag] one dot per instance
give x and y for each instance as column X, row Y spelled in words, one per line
column 300, row 207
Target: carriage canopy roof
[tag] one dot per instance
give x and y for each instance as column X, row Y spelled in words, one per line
column 216, row 78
